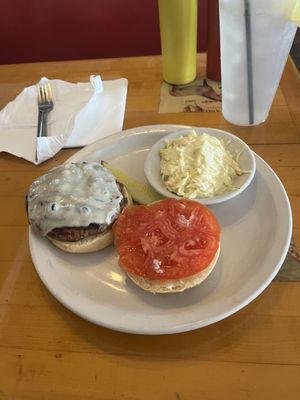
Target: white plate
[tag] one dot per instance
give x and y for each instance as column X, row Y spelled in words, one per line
column 256, row 232
column 236, row 147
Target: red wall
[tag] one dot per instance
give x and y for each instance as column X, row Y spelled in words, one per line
column 48, row 30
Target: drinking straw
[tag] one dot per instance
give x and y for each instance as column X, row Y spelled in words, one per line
column 249, row 61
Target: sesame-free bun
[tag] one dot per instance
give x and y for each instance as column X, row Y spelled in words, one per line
column 91, row 243
column 176, row 285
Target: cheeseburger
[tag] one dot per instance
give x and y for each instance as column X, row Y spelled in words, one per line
column 74, row 206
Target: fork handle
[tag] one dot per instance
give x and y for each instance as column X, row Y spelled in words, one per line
column 42, row 124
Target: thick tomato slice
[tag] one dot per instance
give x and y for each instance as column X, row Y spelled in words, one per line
column 169, row 239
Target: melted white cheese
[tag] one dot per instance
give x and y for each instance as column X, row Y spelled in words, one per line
column 73, row 195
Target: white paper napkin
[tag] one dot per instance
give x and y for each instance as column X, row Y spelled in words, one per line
column 82, row 114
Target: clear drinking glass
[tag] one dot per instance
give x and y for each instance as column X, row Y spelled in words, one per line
column 256, row 38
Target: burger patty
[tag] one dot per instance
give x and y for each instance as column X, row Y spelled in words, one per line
column 73, row 234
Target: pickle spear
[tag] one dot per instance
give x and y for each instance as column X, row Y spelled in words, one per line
column 140, row 193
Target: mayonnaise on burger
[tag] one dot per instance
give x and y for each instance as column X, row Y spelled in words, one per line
column 198, row 166
column 73, row 195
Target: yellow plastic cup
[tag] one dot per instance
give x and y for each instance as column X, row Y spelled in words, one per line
column 178, row 34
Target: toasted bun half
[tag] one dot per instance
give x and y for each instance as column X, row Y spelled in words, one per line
column 174, row 286
column 94, row 242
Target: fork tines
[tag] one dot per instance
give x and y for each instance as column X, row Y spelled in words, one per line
column 44, row 93
column 45, row 105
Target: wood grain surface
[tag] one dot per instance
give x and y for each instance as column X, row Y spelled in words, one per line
column 47, row 352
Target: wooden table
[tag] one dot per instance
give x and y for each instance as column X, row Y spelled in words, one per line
column 47, row 352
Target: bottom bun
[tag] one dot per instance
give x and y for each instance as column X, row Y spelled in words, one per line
column 173, row 286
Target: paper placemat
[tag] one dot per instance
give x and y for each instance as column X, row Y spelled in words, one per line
column 201, row 95
column 290, row 270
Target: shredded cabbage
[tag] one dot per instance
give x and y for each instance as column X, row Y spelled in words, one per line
column 198, row 166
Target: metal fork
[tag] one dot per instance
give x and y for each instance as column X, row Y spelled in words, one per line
column 45, row 104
